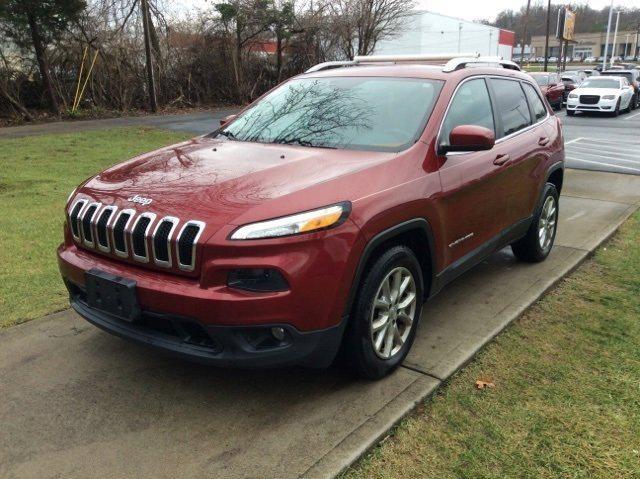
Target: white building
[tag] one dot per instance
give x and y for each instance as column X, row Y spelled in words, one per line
column 427, row 32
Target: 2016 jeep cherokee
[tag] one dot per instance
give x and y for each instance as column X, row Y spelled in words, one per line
column 320, row 218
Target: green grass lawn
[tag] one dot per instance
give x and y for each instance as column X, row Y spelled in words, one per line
column 566, row 402
column 36, row 176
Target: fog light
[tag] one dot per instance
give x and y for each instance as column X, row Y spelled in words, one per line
column 258, row 280
column 278, row 333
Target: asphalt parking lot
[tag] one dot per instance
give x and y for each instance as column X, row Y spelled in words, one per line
column 603, row 143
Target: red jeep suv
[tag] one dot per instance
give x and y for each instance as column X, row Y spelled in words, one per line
column 322, row 217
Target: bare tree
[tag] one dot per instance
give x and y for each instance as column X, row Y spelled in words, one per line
column 360, row 24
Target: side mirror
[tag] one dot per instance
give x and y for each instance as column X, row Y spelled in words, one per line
column 227, row 119
column 469, row 138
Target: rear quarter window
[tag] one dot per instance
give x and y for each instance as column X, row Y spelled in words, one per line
column 535, row 102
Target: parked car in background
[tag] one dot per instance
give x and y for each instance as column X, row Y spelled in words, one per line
column 590, row 60
column 633, row 77
column 571, row 81
column 319, row 218
column 551, row 87
column 603, row 94
column 590, row 72
column 553, row 59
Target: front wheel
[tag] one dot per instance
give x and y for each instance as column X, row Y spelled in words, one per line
column 536, row 245
column 616, row 112
column 383, row 324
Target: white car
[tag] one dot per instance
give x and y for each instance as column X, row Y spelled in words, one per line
column 608, row 94
column 590, row 60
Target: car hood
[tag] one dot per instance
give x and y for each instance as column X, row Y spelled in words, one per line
column 218, row 181
column 596, row 91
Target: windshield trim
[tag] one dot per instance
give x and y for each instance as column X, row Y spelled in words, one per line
column 420, row 129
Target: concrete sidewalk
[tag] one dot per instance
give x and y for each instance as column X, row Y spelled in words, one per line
column 77, row 402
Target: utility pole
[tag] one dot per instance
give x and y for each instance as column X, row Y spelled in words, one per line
column 615, row 38
column 153, row 101
column 524, row 31
column 546, row 38
column 459, row 35
column 635, row 50
column 606, row 43
column 490, row 41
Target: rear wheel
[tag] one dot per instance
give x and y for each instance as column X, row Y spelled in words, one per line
column 536, row 245
column 387, row 310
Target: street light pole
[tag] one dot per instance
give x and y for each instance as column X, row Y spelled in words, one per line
column 606, row 43
column 615, row 37
column 524, row 31
column 546, row 38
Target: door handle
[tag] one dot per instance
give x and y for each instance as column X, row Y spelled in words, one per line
column 501, row 159
column 543, row 141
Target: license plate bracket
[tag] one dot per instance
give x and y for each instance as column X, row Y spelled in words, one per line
column 112, row 294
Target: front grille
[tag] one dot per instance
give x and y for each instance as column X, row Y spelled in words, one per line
column 129, row 235
column 119, row 238
column 87, row 219
column 589, row 99
column 187, row 244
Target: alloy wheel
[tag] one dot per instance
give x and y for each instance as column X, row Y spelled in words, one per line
column 393, row 311
column 547, row 223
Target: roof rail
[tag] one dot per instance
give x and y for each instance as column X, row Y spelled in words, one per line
column 458, row 63
column 330, row 65
column 455, row 61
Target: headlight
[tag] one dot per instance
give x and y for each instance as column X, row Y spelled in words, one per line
column 306, row 222
column 609, row 97
column 573, row 95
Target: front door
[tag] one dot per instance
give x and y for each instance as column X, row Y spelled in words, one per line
column 472, row 200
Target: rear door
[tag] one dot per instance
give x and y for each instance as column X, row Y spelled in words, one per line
column 522, row 140
column 471, row 200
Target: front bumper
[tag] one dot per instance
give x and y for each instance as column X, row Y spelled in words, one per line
column 602, row 106
column 224, row 346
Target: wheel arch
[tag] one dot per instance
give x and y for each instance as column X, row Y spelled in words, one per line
column 413, row 233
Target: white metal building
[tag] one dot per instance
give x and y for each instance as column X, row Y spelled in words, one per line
column 427, row 32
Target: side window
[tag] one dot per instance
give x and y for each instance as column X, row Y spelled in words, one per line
column 471, row 105
column 511, row 105
column 537, row 106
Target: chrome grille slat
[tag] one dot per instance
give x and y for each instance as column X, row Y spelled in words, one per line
column 86, row 224
column 74, row 218
column 161, row 242
column 104, row 219
column 140, row 235
column 186, row 244
column 119, row 232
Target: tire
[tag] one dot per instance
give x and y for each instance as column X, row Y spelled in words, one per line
column 532, row 248
column 616, row 112
column 628, row 108
column 359, row 346
column 570, row 112
column 634, row 102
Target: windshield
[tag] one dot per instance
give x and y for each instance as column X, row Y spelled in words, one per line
column 628, row 76
column 601, row 83
column 541, row 80
column 365, row 113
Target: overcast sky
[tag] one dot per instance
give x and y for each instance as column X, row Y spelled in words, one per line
column 467, row 9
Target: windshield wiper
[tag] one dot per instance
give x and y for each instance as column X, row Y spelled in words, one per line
column 227, row 134
column 301, row 142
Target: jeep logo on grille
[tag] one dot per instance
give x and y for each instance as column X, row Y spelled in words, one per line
column 140, row 200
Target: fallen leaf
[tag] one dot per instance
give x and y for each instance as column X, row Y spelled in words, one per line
column 484, row 384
